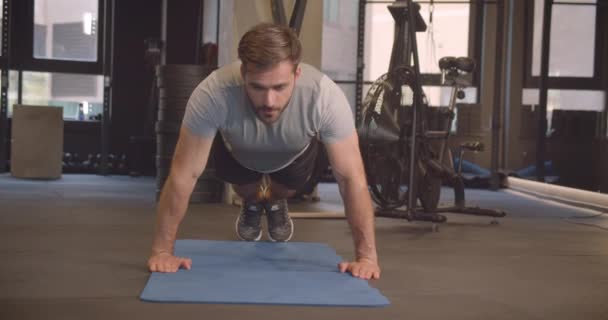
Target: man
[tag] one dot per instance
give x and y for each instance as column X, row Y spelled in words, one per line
column 269, row 109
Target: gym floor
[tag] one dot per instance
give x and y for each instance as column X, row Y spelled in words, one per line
column 76, row 248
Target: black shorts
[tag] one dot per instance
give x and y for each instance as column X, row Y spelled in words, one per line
column 294, row 176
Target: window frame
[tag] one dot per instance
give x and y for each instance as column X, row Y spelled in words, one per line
column 475, row 34
column 22, row 51
column 564, row 82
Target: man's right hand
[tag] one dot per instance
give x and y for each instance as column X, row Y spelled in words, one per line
column 166, row 262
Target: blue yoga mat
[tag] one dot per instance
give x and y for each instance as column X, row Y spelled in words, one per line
column 293, row 273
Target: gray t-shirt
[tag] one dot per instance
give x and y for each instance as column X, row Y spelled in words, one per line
column 317, row 107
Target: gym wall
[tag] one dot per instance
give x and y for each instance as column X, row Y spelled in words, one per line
column 243, row 14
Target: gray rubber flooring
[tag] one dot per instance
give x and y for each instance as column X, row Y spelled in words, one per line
column 76, row 248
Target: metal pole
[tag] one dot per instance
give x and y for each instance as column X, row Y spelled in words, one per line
column 360, row 62
column 297, row 16
column 411, row 204
column 603, row 24
column 504, row 163
column 107, row 89
column 20, row 87
column 496, row 110
column 278, row 12
column 163, row 31
column 199, row 31
column 4, row 89
column 541, row 139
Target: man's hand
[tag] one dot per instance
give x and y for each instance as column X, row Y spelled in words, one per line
column 362, row 268
column 166, row 262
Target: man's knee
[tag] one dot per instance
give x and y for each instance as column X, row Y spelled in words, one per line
column 251, row 192
column 266, row 189
column 280, row 191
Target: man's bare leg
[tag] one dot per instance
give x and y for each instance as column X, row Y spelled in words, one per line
column 279, row 191
column 263, row 190
column 250, row 192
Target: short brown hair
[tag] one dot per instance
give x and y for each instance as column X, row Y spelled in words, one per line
column 268, row 44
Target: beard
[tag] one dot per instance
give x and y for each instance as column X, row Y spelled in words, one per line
column 268, row 114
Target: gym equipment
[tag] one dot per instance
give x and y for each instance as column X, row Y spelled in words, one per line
column 175, row 84
column 296, row 18
column 405, row 162
column 291, row 273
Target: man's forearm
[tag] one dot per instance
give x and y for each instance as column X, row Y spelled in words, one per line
column 171, row 210
column 360, row 215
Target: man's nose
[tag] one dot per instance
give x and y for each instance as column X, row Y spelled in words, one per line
column 269, row 98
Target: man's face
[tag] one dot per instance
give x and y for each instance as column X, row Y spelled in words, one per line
column 270, row 89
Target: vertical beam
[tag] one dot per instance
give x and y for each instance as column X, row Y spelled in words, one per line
column 602, row 21
column 108, row 62
column 180, row 22
column 20, row 87
column 4, row 85
column 497, row 107
column 360, row 59
column 479, row 51
column 477, row 24
column 412, row 49
column 506, row 114
column 541, row 140
column 163, row 32
column 199, row 31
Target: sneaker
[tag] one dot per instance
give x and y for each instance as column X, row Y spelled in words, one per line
column 249, row 222
column 280, row 225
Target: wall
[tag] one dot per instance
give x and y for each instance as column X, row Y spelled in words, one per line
column 251, row 12
column 520, row 148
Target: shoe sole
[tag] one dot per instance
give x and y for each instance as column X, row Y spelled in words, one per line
column 290, row 235
column 259, row 236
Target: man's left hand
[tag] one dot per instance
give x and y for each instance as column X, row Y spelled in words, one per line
column 362, row 268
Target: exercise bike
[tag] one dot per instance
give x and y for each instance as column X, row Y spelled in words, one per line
column 405, row 162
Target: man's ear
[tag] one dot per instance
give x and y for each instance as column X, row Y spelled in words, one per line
column 298, row 71
column 243, row 70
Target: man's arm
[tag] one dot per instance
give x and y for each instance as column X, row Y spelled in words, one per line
column 347, row 166
column 189, row 160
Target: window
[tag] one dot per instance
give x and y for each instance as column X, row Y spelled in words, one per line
column 64, row 90
column 63, row 36
column 571, row 53
column 573, row 100
column 339, row 45
column 439, row 96
column 590, row 100
column 66, row 30
column 574, row 47
column 59, row 56
column 448, row 35
column 13, row 78
column 574, row 51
